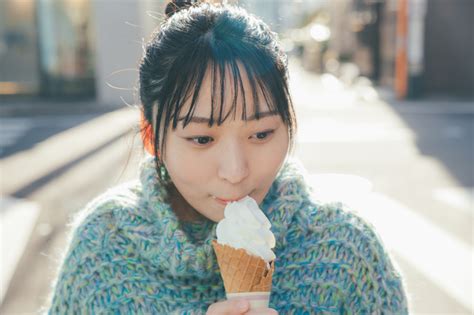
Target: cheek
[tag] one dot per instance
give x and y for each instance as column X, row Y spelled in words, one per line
column 185, row 168
column 271, row 158
column 268, row 162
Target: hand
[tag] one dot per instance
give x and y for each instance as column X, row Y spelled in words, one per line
column 237, row 307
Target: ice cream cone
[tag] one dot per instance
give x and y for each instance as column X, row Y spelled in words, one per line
column 245, row 275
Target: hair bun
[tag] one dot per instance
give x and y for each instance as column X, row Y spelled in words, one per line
column 176, row 5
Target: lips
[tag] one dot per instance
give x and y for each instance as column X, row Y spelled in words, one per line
column 228, row 200
column 225, row 201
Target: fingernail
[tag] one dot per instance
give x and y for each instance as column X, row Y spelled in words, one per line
column 242, row 305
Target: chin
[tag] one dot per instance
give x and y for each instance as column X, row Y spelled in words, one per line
column 258, row 199
column 217, row 213
column 217, row 216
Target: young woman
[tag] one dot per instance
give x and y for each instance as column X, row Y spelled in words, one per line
column 218, row 125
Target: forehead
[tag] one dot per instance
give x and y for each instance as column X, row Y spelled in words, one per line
column 220, row 93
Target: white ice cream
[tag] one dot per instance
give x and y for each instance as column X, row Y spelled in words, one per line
column 246, row 226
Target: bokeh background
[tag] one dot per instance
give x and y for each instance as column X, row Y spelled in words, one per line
column 383, row 91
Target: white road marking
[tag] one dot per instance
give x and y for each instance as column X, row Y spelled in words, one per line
column 17, row 220
column 461, row 198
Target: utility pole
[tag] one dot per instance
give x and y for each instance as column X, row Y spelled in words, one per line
column 401, row 68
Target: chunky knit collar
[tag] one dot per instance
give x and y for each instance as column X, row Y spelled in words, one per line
column 185, row 250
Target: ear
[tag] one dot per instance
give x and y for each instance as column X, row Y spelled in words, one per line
column 146, row 130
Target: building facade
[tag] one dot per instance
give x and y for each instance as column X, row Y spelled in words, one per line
column 416, row 47
column 74, row 48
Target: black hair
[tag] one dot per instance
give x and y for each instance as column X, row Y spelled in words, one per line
column 196, row 37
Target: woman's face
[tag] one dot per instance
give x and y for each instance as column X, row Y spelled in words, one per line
column 212, row 166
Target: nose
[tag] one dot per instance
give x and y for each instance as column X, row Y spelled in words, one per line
column 233, row 164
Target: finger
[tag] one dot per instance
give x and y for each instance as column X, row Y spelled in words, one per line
column 262, row 311
column 233, row 307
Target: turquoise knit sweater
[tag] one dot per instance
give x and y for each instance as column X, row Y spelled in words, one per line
column 129, row 254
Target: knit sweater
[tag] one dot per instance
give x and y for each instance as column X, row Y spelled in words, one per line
column 128, row 253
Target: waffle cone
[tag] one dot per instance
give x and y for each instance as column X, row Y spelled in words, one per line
column 241, row 271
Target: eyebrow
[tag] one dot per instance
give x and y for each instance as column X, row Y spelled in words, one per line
column 202, row 120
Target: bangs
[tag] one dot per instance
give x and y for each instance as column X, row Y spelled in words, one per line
column 226, row 76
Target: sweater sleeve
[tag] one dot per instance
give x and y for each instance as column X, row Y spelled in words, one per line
column 93, row 279
column 354, row 254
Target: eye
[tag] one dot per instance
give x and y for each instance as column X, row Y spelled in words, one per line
column 200, row 141
column 263, row 135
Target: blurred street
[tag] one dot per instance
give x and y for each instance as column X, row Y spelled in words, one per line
column 405, row 166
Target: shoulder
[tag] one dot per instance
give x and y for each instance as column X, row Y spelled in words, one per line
column 101, row 215
column 295, row 197
column 337, row 223
column 92, row 266
column 293, row 189
column 338, row 240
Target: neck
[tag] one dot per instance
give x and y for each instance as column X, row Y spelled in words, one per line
column 183, row 210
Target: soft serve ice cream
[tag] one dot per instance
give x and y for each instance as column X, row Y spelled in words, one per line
column 246, row 226
column 244, row 253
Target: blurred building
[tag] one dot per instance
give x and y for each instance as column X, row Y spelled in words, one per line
column 84, row 48
column 74, row 48
column 417, row 47
column 46, row 47
column 282, row 15
column 293, row 20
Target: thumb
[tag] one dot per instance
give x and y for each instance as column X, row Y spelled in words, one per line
column 229, row 307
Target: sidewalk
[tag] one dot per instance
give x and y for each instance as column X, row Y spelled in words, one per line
column 428, row 104
column 27, row 107
column 326, row 90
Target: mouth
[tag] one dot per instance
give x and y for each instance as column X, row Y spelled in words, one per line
column 225, row 201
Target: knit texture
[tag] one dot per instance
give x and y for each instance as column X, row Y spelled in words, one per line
column 129, row 254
